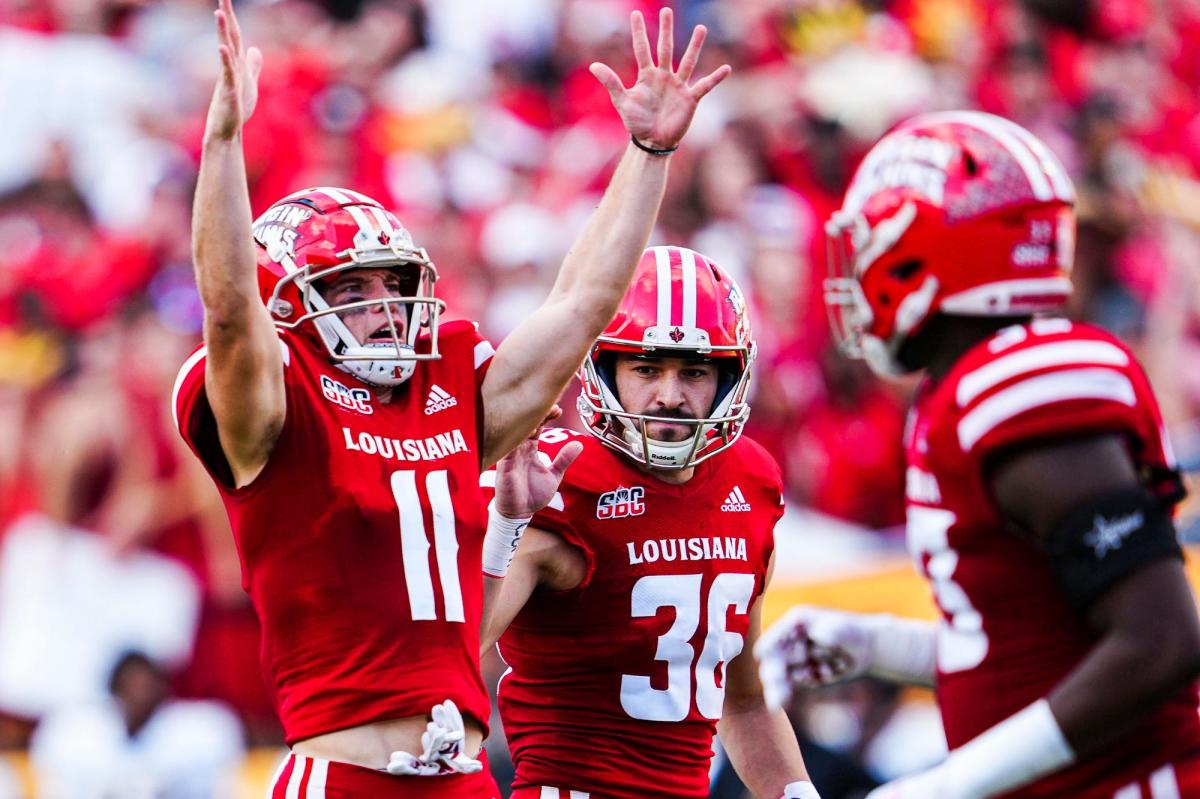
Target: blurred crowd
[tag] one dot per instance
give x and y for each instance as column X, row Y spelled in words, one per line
column 479, row 124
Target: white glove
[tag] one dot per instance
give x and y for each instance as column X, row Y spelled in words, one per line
column 812, row 646
column 442, row 748
column 801, row 789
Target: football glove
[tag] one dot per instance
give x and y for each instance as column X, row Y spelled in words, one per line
column 442, row 744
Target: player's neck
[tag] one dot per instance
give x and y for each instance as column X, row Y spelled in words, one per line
column 947, row 338
column 672, row 476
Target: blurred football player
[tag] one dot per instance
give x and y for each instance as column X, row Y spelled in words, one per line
column 1040, row 485
column 346, row 429
column 633, row 593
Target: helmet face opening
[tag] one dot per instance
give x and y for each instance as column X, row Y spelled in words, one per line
column 680, row 305
column 309, row 240
column 961, row 213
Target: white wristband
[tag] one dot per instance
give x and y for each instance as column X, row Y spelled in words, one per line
column 1023, row 748
column 801, row 789
column 500, row 541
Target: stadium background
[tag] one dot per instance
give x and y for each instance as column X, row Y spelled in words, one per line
column 480, row 126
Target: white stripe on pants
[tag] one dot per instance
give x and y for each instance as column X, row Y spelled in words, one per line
column 1162, row 786
column 316, row 779
column 554, row 793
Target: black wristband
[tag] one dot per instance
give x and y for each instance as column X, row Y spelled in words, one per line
column 652, row 150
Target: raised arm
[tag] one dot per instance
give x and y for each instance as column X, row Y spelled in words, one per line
column 244, row 367
column 534, row 364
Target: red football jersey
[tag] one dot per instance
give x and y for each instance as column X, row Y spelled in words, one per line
column 614, row 687
column 1008, row 636
column 361, row 540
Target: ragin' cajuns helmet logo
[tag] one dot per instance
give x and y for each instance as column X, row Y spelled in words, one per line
column 621, row 503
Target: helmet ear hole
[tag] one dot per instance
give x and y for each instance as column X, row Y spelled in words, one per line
column 906, row 269
column 970, row 165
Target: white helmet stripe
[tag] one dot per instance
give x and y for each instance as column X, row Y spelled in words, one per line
column 381, row 219
column 662, row 261
column 688, row 261
column 365, row 223
column 288, row 264
column 355, row 211
column 987, row 124
column 1064, row 189
column 357, row 197
column 337, row 195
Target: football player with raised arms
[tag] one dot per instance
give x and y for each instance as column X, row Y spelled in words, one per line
column 1040, row 485
column 346, row 429
column 627, row 614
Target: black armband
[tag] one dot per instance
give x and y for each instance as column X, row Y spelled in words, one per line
column 1109, row 538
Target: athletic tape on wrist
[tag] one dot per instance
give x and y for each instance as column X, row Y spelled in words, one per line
column 500, row 541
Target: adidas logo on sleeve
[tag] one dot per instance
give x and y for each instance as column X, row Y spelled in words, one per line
column 735, row 502
column 439, row 400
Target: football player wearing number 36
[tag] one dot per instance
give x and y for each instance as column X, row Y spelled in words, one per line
column 1040, row 485
column 346, row 429
column 627, row 614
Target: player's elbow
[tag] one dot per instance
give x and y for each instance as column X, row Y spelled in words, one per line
column 1169, row 648
column 1183, row 658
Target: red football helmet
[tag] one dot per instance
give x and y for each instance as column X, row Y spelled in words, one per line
column 680, row 304
column 315, row 234
column 958, row 212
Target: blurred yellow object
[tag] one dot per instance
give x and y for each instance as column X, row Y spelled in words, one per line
column 434, row 131
column 944, row 29
column 1168, row 189
column 893, row 587
column 257, row 770
column 29, row 359
column 19, row 762
column 819, row 28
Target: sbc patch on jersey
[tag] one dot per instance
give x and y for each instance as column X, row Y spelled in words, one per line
column 354, row 399
column 621, row 503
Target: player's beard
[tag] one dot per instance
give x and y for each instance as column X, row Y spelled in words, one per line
column 657, row 431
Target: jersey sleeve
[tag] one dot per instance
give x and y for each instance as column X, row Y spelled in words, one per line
column 194, row 417
column 1061, row 388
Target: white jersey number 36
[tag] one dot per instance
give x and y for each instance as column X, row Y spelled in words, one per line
column 639, row 698
column 962, row 643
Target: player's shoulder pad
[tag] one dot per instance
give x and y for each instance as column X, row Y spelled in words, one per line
column 464, row 334
column 754, row 459
column 1046, row 377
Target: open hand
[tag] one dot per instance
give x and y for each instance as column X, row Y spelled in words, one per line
column 658, row 108
column 236, row 92
column 526, row 479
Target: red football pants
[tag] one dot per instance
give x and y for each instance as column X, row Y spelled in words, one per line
column 1178, row 780
column 300, row 777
